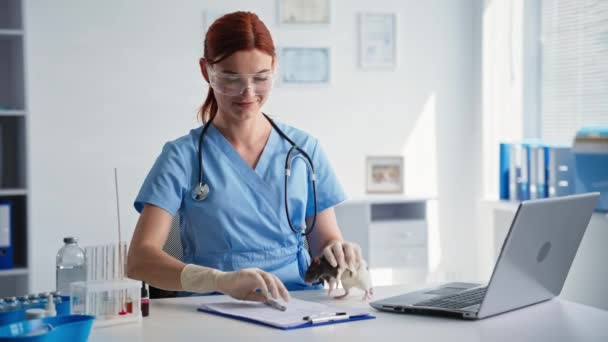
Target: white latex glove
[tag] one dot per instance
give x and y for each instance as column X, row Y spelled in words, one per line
column 241, row 284
column 343, row 254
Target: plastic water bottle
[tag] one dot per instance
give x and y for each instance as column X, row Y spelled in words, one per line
column 71, row 265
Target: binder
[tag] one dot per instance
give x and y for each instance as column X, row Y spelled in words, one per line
column 560, row 168
column 300, row 314
column 503, row 172
column 538, row 172
column 523, row 180
column 6, row 248
column 514, row 170
column 519, row 172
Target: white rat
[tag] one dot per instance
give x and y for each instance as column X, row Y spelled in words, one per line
column 320, row 269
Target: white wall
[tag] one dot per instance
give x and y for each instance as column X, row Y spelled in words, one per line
column 110, row 81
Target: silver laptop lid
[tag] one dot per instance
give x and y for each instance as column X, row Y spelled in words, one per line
column 538, row 252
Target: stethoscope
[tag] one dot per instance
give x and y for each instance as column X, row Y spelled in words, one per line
column 201, row 190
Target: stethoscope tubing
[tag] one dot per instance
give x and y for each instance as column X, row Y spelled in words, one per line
column 201, row 190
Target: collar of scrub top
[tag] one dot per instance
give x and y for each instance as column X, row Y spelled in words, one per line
column 201, row 191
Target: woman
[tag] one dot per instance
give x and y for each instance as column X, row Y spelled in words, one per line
column 236, row 236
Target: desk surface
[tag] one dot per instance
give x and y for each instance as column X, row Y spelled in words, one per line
column 176, row 319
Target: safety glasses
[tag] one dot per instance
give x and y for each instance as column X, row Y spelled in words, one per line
column 236, row 84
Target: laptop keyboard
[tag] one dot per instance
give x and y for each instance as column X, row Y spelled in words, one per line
column 456, row 301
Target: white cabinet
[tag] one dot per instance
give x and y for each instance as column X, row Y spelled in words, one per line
column 392, row 232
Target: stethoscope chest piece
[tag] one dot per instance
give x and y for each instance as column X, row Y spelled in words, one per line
column 200, row 192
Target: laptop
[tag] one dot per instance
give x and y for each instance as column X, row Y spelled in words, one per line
column 531, row 268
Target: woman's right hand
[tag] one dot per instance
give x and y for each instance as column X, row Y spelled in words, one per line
column 244, row 284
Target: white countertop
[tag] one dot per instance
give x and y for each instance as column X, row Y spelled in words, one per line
column 176, row 319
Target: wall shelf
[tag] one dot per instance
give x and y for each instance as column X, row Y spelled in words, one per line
column 7, row 32
column 13, row 192
column 12, row 112
column 14, row 272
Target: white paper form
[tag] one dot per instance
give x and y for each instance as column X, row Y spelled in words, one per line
column 297, row 309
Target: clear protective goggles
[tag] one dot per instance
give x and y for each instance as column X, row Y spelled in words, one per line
column 236, row 84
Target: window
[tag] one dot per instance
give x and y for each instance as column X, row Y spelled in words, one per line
column 574, row 70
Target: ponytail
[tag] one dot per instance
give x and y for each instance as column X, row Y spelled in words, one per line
column 209, row 108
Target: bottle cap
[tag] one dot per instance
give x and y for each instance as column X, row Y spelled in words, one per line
column 144, row 290
column 35, row 313
column 70, row 239
column 51, row 311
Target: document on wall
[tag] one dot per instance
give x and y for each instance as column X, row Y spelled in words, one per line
column 377, row 40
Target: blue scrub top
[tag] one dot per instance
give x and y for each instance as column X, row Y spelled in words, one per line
column 242, row 223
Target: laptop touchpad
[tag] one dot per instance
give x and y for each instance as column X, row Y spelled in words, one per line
column 446, row 291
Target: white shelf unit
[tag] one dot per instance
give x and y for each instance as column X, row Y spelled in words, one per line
column 392, row 233
column 13, row 167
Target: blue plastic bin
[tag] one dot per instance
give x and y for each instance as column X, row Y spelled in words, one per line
column 73, row 328
column 8, row 317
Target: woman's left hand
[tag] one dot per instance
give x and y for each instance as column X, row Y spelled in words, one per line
column 343, row 254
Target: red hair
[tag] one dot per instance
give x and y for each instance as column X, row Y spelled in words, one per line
column 228, row 34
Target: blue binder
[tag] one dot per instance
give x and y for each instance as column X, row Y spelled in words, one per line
column 6, row 232
column 503, row 172
column 519, row 172
column 560, row 171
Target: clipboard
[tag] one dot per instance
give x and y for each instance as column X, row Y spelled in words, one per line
column 303, row 314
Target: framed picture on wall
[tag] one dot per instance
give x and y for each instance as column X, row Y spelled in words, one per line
column 304, row 11
column 377, row 40
column 305, row 65
column 384, row 174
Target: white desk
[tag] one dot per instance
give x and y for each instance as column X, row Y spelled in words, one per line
column 176, row 319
